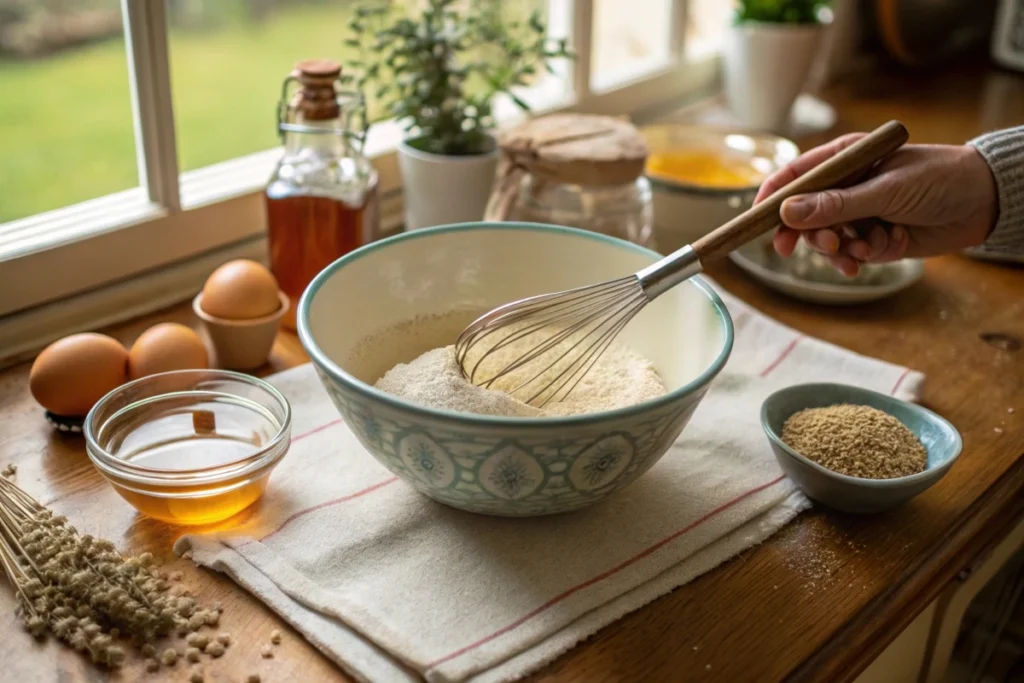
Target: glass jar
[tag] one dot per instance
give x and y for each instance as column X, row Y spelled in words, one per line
column 577, row 170
column 321, row 200
column 623, row 211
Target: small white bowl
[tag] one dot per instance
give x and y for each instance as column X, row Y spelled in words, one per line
column 684, row 211
column 503, row 465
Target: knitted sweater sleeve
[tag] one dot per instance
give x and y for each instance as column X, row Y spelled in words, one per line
column 1003, row 150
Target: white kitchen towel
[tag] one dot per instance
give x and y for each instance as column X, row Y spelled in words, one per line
column 395, row 587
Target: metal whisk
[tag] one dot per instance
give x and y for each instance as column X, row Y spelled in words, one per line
column 540, row 348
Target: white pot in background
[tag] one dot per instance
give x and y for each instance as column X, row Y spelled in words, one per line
column 440, row 189
column 766, row 67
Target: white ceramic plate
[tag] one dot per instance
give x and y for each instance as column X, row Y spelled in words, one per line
column 885, row 280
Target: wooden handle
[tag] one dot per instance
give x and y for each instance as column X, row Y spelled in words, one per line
column 759, row 219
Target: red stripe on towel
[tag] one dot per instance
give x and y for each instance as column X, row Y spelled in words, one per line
column 601, row 577
column 317, row 429
column 327, row 503
column 782, row 356
column 899, row 382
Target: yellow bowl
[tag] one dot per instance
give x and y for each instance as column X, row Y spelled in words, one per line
column 702, row 196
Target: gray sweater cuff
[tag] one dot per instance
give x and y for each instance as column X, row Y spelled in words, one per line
column 1003, row 150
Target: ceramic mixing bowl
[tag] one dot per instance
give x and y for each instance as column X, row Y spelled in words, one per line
column 395, row 299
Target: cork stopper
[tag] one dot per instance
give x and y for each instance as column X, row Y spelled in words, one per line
column 316, row 99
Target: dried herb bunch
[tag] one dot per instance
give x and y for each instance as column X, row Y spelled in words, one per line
column 438, row 68
column 80, row 588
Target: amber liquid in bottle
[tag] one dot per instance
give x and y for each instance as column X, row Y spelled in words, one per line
column 308, row 232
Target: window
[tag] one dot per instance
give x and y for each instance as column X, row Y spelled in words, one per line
column 65, row 115
column 145, row 131
column 706, row 24
column 631, row 38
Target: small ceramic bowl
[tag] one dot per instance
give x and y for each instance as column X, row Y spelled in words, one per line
column 189, row 446
column 854, row 494
column 502, row 465
column 241, row 344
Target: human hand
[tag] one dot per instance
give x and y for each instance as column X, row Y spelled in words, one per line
column 922, row 200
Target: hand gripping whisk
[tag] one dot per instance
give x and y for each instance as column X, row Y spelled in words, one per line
column 540, row 348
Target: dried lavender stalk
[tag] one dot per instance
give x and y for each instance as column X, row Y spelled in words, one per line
column 80, row 588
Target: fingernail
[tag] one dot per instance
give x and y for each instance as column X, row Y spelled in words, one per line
column 827, row 241
column 799, row 208
column 860, row 251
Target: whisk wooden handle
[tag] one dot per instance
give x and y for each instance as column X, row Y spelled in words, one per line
column 759, row 219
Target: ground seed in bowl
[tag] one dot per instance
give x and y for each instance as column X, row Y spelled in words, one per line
column 858, row 441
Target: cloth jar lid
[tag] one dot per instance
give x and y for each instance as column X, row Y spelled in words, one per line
column 580, row 149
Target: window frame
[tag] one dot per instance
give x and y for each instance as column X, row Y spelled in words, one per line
column 114, row 242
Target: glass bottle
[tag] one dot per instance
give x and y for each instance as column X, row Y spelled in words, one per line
column 322, row 197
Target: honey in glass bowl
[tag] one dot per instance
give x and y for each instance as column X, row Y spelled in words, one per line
column 189, row 447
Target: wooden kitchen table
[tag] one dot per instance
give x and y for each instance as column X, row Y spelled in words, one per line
column 819, row 600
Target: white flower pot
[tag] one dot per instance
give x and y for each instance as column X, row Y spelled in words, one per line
column 440, row 190
column 766, row 67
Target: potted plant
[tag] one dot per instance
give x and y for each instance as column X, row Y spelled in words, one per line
column 437, row 70
column 769, row 52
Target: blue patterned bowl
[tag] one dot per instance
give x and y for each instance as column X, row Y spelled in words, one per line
column 496, row 465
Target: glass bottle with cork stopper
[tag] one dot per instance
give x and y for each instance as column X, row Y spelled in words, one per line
column 322, row 197
column 577, row 170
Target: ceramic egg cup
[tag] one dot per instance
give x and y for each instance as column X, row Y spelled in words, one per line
column 241, row 344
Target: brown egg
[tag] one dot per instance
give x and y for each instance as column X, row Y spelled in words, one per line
column 166, row 347
column 239, row 290
column 75, row 372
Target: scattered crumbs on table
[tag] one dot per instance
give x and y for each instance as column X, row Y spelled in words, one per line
column 267, row 652
column 275, row 637
column 10, row 470
column 198, row 640
column 214, row 649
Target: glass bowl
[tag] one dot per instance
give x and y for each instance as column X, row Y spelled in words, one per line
column 190, row 446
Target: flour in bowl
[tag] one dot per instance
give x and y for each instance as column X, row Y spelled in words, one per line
column 620, row 378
